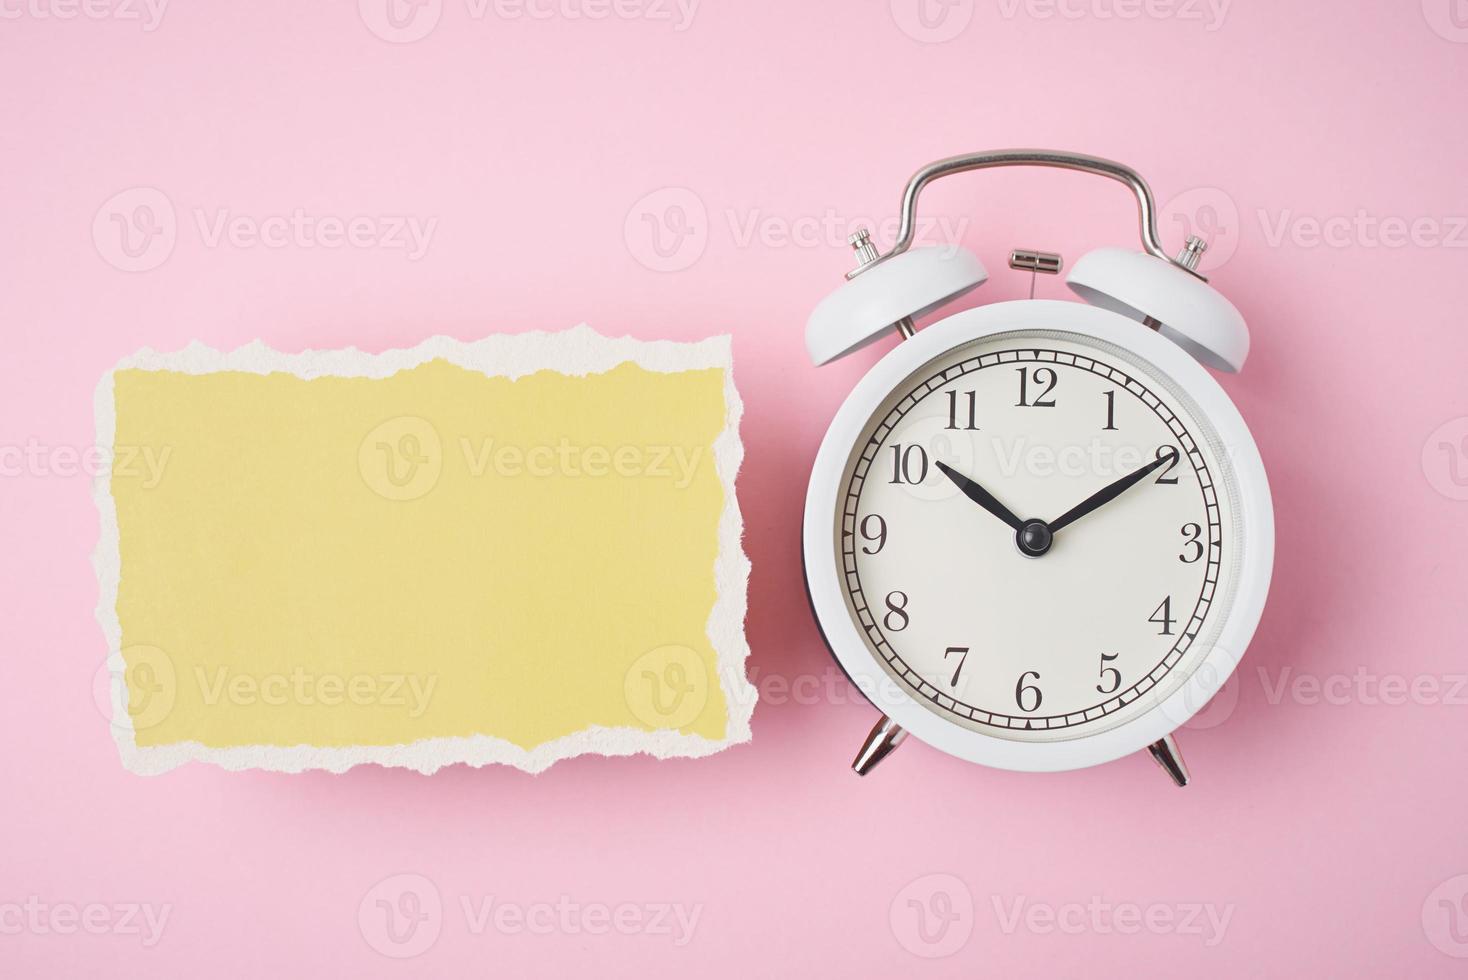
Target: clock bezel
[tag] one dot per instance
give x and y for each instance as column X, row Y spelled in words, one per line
column 1255, row 517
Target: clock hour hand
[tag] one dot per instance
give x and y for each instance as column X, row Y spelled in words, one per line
column 1108, row 493
column 980, row 496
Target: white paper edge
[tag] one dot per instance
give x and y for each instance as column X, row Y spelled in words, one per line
column 579, row 351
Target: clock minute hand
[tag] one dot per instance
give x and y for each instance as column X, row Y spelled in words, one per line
column 980, row 496
column 1107, row 493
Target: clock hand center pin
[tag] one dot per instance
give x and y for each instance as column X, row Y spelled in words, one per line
column 1034, row 538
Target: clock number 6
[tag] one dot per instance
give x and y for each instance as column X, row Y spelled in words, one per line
column 1021, row 690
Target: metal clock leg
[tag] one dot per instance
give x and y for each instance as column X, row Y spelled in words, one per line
column 1170, row 758
column 885, row 736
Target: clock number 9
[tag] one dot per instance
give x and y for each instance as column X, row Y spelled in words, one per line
column 1193, row 534
column 896, row 619
column 879, row 535
column 1023, row 691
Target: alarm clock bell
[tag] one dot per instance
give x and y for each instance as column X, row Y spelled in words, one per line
column 889, row 291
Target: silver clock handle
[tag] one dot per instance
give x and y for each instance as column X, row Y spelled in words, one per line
column 1146, row 206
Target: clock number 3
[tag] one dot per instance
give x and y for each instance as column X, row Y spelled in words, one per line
column 1192, row 535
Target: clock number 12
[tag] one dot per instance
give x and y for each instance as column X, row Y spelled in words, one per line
column 1042, row 376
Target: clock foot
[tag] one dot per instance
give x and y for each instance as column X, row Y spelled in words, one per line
column 885, row 736
column 1170, row 758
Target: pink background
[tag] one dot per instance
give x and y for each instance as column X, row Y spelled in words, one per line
column 1329, row 827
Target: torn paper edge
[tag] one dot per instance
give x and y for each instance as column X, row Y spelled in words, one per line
column 578, row 352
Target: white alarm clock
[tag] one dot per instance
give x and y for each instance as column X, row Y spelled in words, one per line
column 1038, row 535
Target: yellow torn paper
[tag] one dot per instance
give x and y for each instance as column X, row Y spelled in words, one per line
column 514, row 551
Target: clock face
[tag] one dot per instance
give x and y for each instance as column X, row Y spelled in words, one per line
column 1036, row 535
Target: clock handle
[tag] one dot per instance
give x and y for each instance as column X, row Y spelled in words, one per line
column 1170, row 758
column 885, row 736
column 1146, row 206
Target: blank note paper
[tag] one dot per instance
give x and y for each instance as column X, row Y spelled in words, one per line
column 515, row 550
